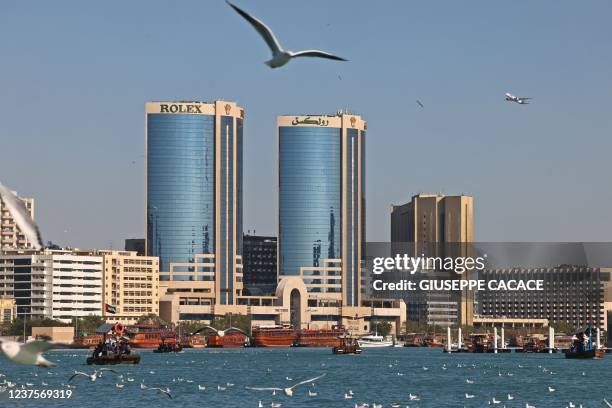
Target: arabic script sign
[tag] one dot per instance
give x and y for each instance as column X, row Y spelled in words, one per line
column 308, row 121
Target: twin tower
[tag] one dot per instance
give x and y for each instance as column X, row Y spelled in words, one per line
column 194, row 198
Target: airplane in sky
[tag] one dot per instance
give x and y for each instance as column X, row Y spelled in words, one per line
column 518, row 99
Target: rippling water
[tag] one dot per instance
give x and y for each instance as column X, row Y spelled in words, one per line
column 382, row 376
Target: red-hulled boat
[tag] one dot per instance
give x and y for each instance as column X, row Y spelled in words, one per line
column 150, row 337
column 321, row 337
column 232, row 339
column 273, row 336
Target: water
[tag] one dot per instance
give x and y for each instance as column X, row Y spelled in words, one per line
column 372, row 376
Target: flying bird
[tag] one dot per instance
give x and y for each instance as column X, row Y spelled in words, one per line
column 289, row 390
column 160, row 391
column 29, row 353
column 280, row 56
column 21, row 216
column 420, row 104
column 517, row 99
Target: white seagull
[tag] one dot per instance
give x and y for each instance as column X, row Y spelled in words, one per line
column 29, row 353
column 93, row 376
column 21, row 216
column 289, row 390
column 280, row 56
column 469, row 396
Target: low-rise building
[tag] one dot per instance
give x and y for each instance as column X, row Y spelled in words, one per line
column 131, row 284
column 572, row 294
column 7, row 310
column 59, row 334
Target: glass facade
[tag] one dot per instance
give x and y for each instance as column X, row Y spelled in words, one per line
column 310, row 196
column 180, row 187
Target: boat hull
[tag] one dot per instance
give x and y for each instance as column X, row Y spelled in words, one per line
column 319, row 338
column 232, row 340
column 593, row 353
column 273, row 337
column 120, row 359
column 366, row 344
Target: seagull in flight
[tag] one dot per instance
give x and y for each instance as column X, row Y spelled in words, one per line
column 93, row 376
column 289, row 390
column 21, row 216
column 29, row 353
column 280, row 56
column 517, row 99
column 160, row 391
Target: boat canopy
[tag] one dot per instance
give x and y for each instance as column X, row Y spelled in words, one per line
column 105, row 328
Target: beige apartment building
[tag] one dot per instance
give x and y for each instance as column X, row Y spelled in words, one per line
column 437, row 225
column 131, row 284
column 433, row 218
column 10, row 234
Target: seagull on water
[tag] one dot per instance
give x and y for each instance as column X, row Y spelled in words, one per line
column 347, row 396
column 289, row 390
column 29, row 353
column 20, row 214
column 312, row 393
column 413, row 397
column 201, row 387
column 468, row 381
column 469, row 396
column 510, row 397
column 280, row 56
column 551, row 389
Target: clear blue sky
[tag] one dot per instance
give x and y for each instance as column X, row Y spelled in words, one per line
column 74, row 78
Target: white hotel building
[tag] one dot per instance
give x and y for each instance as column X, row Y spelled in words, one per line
column 56, row 284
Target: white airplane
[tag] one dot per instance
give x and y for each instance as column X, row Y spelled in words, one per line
column 518, row 99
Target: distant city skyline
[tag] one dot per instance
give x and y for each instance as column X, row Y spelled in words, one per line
column 73, row 99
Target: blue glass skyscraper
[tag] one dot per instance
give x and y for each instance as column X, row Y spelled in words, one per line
column 321, row 189
column 194, row 187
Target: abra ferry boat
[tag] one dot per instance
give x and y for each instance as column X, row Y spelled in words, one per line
column 583, row 346
column 273, row 336
column 320, row 337
column 150, row 337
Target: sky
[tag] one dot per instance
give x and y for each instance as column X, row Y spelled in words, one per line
column 75, row 76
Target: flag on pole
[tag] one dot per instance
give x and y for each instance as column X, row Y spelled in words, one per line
column 110, row 308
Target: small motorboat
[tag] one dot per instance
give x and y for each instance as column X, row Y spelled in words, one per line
column 348, row 345
column 583, row 346
column 374, row 340
column 169, row 348
column 114, row 359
